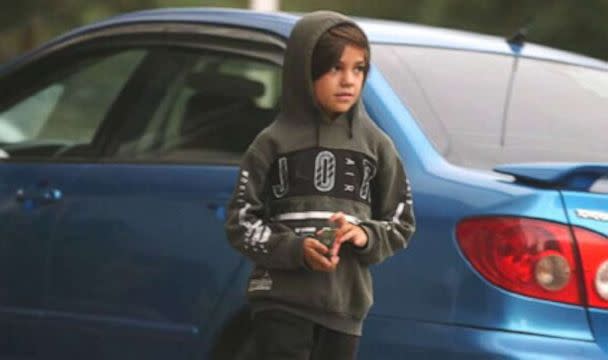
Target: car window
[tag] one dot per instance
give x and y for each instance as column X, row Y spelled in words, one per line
column 68, row 109
column 457, row 97
column 209, row 110
column 459, row 100
column 558, row 113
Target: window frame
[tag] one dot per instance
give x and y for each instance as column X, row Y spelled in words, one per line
column 22, row 79
column 110, row 146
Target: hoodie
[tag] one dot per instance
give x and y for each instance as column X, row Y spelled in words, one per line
column 298, row 172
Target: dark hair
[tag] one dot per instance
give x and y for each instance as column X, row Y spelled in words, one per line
column 331, row 44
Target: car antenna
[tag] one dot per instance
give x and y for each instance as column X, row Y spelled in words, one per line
column 516, row 42
column 519, row 38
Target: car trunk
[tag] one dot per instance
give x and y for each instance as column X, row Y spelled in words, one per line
column 590, row 211
column 584, row 192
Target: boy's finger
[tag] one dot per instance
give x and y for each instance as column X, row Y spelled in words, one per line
column 318, row 247
column 340, row 240
column 335, row 260
column 336, row 215
column 342, row 229
column 349, row 235
column 335, row 249
column 338, row 218
column 312, row 256
column 321, row 262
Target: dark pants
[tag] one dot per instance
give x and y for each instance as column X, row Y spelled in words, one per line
column 282, row 336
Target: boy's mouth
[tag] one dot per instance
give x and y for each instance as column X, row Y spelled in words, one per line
column 344, row 96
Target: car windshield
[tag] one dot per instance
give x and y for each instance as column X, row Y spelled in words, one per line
column 556, row 112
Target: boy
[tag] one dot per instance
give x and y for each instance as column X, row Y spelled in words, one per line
column 321, row 162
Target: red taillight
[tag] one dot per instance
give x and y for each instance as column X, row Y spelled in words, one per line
column 593, row 248
column 529, row 257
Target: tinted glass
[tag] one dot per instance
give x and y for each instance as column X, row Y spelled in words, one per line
column 558, row 113
column 457, row 97
column 210, row 110
column 68, row 110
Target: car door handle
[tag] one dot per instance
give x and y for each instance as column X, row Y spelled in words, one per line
column 42, row 196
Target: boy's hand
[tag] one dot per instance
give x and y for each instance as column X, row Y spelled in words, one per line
column 347, row 232
column 314, row 255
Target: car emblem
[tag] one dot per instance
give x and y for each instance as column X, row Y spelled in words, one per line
column 592, row 214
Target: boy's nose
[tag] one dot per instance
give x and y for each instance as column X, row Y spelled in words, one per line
column 347, row 79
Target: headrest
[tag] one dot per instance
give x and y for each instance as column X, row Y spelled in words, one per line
column 210, row 84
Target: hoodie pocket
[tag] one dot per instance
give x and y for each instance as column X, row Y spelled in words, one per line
column 350, row 291
column 305, row 288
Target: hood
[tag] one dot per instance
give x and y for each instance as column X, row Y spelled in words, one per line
column 298, row 102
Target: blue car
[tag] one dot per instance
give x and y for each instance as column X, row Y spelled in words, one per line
column 119, row 148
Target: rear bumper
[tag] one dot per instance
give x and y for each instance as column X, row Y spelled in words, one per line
column 392, row 339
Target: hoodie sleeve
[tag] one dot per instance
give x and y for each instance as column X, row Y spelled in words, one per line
column 266, row 243
column 393, row 223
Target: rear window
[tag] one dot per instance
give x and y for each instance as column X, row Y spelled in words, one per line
column 459, row 100
column 558, row 112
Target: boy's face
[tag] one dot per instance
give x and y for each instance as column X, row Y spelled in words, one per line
column 337, row 90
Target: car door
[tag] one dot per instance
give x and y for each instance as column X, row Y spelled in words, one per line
column 30, row 199
column 139, row 261
column 49, row 108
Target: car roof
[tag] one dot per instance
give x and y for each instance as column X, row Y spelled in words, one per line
column 378, row 31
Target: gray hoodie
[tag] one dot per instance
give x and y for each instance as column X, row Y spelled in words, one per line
column 299, row 171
